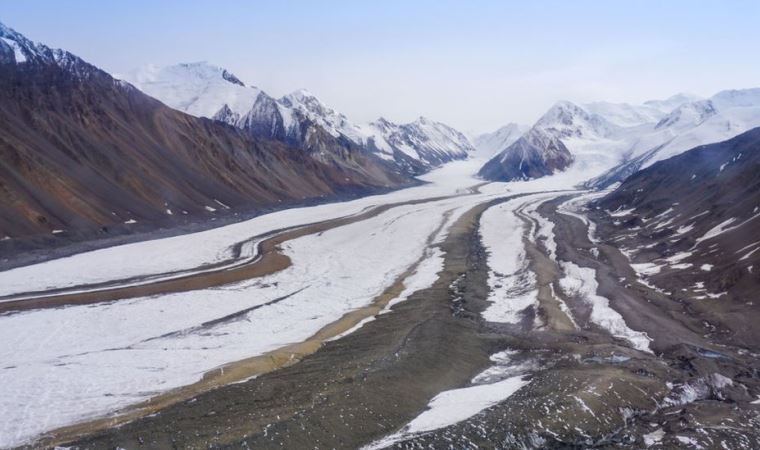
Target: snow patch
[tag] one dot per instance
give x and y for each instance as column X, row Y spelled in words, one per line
column 581, row 282
column 621, row 212
column 684, row 229
column 451, row 407
column 646, row 269
column 18, row 54
column 654, row 437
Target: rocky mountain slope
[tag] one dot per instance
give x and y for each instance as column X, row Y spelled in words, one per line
column 81, row 152
column 691, row 226
column 535, row 154
column 299, row 118
column 609, row 142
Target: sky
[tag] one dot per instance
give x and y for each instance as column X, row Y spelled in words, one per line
column 475, row 65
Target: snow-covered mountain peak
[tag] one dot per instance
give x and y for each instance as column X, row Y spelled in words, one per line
column 200, row 70
column 438, row 137
column 737, row 98
column 567, row 120
column 305, row 99
column 488, row 144
column 511, row 127
column 18, row 49
column 423, row 122
column 197, row 88
column 614, row 140
column 382, row 121
column 383, row 126
column 209, row 71
column 672, row 102
column 9, row 35
column 309, row 104
column 16, row 46
column 564, row 106
column 688, row 115
column 9, row 47
column 625, row 114
column 562, row 113
column 331, row 120
column 301, row 95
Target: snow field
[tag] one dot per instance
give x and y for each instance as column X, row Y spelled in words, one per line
column 581, row 282
column 158, row 258
column 93, row 360
column 70, row 364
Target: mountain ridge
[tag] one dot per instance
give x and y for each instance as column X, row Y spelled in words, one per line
column 82, row 153
column 413, row 148
column 610, row 141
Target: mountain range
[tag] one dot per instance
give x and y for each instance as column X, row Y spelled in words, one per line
column 299, row 119
column 84, row 153
column 607, row 142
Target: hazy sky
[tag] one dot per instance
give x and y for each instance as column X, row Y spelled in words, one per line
column 473, row 64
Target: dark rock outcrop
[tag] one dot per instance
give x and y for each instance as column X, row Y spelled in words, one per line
column 534, row 155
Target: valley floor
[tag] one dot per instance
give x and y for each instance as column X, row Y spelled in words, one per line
column 456, row 313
